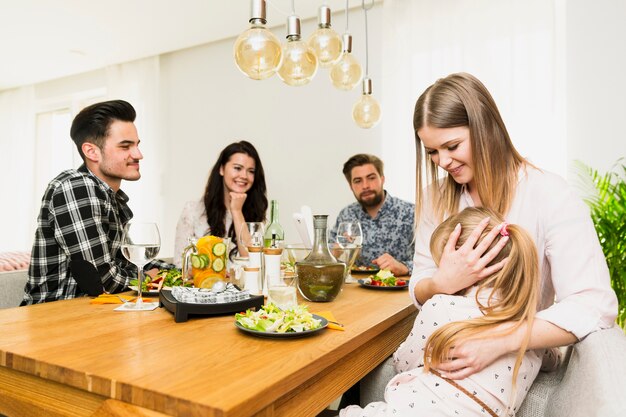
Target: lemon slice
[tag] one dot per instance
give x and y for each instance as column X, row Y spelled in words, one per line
column 208, row 282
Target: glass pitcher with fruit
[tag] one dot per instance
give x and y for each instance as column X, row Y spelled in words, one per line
column 204, row 261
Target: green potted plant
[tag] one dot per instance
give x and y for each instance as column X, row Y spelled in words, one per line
column 606, row 196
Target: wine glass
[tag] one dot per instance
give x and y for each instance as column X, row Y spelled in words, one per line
column 140, row 245
column 251, row 234
column 350, row 240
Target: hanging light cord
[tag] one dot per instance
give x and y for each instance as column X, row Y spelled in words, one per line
column 279, row 10
column 347, row 16
column 293, row 7
column 365, row 9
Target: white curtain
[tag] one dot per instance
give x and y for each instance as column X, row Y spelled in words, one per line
column 516, row 48
column 138, row 83
column 17, row 139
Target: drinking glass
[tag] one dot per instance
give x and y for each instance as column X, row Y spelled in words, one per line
column 236, row 267
column 251, row 234
column 350, row 241
column 140, row 245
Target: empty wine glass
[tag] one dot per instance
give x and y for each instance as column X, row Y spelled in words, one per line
column 140, row 245
column 350, row 241
column 251, row 234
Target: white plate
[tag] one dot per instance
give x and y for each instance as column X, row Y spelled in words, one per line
column 149, row 293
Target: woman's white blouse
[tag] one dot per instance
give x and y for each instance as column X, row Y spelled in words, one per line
column 576, row 293
column 192, row 223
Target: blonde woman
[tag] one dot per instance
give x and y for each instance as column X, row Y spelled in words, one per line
column 458, row 129
column 508, row 295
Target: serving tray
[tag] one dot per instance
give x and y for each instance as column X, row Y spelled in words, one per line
column 182, row 311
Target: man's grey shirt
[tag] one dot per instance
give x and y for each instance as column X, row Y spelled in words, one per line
column 391, row 231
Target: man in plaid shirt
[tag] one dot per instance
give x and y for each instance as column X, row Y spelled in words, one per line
column 83, row 211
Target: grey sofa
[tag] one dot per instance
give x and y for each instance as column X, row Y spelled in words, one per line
column 12, row 287
column 590, row 381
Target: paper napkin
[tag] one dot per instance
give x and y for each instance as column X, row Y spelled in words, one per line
column 330, row 317
column 114, row 299
column 131, row 307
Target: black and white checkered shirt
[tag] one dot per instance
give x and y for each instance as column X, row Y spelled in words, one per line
column 81, row 218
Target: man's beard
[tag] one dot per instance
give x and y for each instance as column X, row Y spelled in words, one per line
column 372, row 201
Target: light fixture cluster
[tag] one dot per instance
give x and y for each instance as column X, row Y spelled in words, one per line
column 259, row 55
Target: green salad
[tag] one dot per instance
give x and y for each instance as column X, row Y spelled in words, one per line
column 272, row 319
column 170, row 277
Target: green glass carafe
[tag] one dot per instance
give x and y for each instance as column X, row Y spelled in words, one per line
column 320, row 275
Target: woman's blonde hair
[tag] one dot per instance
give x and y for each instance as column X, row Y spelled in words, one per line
column 462, row 100
column 513, row 290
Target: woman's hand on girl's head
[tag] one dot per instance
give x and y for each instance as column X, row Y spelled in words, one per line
column 236, row 201
column 463, row 267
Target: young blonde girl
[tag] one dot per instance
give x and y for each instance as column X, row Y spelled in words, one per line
column 509, row 295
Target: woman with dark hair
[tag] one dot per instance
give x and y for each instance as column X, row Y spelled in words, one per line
column 235, row 194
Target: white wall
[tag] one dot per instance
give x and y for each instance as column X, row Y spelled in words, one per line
column 596, row 82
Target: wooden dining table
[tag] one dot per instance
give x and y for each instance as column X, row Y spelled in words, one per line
column 74, row 358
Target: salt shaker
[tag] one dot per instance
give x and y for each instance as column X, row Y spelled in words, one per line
column 252, row 279
column 254, row 253
column 271, row 258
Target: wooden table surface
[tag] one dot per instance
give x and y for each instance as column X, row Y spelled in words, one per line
column 73, row 358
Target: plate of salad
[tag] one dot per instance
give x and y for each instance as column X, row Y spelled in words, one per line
column 272, row 322
column 384, row 280
column 165, row 278
column 368, row 269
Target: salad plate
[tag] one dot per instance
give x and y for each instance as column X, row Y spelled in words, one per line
column 367, row 284
column 148, row 293
column 285, row 335
column 371, row 269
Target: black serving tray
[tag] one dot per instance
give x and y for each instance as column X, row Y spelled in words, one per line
column 182, row 311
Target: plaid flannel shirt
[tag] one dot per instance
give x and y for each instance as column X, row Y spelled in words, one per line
column 81, row 218
column 391, row 231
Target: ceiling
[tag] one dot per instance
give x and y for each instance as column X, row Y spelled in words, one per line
column 42, row 40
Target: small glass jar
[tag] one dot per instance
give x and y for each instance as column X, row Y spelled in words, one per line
column 320, row 275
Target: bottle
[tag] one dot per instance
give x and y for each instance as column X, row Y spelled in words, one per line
column 274, row 228
column 320, row 276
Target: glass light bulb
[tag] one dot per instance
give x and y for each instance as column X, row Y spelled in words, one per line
column 366, row 112
column 299, row 63
column 257, row 52
column 326, row 43
column 346, row 73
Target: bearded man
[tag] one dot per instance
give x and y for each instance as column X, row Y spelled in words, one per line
column 387, row 221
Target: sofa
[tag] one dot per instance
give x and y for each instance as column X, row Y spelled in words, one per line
column 12, row 287
column 589, row 382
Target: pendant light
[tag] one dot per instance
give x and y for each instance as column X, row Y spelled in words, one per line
column 346, row 72
column 257, row 50
column 299, row 61
column 325, row 42
column 366, row 111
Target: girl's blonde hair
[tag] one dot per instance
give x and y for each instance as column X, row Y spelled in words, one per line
column 462, row 100
column 513, row 290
